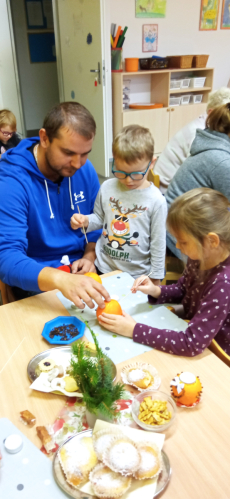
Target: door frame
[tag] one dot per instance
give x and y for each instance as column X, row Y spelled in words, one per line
column 15, row 67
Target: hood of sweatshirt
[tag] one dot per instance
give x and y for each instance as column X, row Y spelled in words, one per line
column 23, row 157
column 35, row 216
column 208, row 140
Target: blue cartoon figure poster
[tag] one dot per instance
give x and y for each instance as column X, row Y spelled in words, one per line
column 149, row 37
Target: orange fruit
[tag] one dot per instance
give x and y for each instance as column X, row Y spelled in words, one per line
column 190, row 394
column 94, row 276
column 111, row 307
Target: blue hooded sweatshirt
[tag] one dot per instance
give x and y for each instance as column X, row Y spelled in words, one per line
column 35, row 216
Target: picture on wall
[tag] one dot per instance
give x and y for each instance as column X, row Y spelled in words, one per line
column 225, row 15
column 149, row 37
column 209, row 10
column 151, row 8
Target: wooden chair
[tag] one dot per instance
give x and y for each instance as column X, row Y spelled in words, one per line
column 3, row 293
column 7, row 295
column 173, row 266
column 219, row 352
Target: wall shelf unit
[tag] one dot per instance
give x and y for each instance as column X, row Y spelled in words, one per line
column 154, row 86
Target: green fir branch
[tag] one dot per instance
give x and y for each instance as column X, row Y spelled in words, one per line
column 94, row 377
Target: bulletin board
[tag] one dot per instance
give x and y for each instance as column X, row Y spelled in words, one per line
column 39, row 14
column 42, row 47
column 40, row 30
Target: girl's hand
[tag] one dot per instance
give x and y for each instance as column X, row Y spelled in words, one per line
column 146, row 286
column 120, row 324
column 79, row 221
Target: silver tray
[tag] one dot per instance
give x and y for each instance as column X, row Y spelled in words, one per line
column 162, row 481
column 65, row 351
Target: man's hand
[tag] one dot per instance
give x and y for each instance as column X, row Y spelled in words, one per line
column 79, row 221
column 120, row 324
column 86, row 263
column 82, row 266
column 77, row 288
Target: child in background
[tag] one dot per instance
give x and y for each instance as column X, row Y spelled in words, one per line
column 131, row 210
column 8, row 127
column 200, row 221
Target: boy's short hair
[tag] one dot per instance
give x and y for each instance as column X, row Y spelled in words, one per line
column 132, row 143
column 7, row 118
column 71, row 115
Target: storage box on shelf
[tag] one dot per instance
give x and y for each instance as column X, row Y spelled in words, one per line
column 180, row 61
column 200, row 61
column 175, row 83
column 185, row 83
column 188, row 61
column 197, row 82
column 182, row 83
column 197, row 98
column 155, row 86
column 185, row 99
column 154, row 62
column 175, row 100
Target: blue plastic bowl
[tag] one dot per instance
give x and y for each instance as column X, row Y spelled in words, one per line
column 63, row 321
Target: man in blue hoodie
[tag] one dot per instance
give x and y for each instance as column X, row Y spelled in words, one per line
column 42, row 182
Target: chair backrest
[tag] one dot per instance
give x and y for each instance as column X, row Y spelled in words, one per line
column 219, row 352
column 173, row 265
column 154, row 178
column 3, row 293
column 7, row 294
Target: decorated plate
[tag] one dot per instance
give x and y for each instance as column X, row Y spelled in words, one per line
column 162, row 481
column 61, row 356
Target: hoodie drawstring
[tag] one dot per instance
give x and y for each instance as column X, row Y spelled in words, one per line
column 48, row 198
column 70, row 195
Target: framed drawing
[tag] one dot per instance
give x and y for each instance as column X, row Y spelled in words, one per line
column 149, row 37
column 151, row 8
column 225, row 15
column 209, row 10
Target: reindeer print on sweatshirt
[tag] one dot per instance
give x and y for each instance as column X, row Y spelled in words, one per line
column 120, row 225
column 133, row 236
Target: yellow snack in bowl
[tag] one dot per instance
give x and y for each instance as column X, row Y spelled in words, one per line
column 70, row 384
column 154, row 412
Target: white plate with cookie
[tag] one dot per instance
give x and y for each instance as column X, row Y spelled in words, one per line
column 48, row 372
column 141, row 375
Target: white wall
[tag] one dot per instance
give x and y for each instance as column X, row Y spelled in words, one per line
column 38, row 81
column 178, row 34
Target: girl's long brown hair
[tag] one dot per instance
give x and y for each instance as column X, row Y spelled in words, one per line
column 219, row 119
column 199, row 212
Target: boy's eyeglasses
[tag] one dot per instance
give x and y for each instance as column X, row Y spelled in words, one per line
column 134, row 175
column 7, row 134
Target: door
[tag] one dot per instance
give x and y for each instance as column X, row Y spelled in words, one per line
column 10, row 95
column 157, row 120
column 182, row 115
column 82, row 45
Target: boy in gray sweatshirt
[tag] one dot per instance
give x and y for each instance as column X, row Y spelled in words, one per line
column 131, row 210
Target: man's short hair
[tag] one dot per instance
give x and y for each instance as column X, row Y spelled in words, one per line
column 218, row 98
column 70, row 115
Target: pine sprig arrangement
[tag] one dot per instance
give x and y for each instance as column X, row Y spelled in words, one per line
column 94, row 378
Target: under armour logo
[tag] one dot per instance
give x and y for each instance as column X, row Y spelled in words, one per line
column 77, row 197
